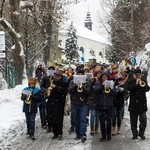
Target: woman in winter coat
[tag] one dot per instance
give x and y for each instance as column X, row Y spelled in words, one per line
column 94, row 116
column 104, row 105
column 31, row 95
column 39, row 72
column 118, row 105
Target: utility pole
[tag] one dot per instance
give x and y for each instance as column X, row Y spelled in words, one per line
column 132, row 22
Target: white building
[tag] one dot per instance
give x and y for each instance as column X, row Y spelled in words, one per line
column 94, row 45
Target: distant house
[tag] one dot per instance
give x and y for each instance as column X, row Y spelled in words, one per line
column 93, row 44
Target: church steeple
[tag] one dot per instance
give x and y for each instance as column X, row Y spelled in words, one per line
column 88, row 21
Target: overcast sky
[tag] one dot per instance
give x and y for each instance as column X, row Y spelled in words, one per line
column 78, row 13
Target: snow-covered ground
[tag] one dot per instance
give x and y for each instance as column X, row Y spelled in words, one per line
column 12, row 121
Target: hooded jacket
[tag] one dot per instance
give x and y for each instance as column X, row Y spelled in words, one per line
column 103, row 100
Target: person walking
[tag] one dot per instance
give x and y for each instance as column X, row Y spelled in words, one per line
column 45, row 111
column 31, row 95
column 56, row 103
column 104, row 105
column 94, row 116
column 39, row 72
column 138, row 104
column 79, row 106
column 118, row 105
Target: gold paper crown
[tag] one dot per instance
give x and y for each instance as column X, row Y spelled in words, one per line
column 32, row 80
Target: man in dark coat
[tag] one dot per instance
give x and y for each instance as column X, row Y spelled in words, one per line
column 138, row 103
column 56, row 103
column 45, row 83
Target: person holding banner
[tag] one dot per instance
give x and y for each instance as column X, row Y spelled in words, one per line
column 79, row 89
column 104, row 103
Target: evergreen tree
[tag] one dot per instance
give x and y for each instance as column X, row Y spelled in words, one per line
column 71, row 44
column 126, row 32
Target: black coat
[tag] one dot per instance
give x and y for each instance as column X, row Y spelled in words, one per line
column 92, row 97
column 79, row 98
column 138, row 100
column 103, row 100
column 56, row 103
column 119, row 96
column 45, row 82
column 58, row 94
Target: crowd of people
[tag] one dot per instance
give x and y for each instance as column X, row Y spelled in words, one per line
column 96, row 102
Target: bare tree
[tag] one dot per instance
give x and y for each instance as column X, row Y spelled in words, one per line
column 30, row 29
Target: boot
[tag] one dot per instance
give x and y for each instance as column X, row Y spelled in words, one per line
column 92, row 130
column 71, row 129
column 118, row 130
column 96, row 129
column 48, row 130
column 32, row 135
column 113, row 132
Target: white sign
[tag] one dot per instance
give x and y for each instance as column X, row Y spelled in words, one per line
column 108, row 83
column 79, row 79
column 27, row 92
column 2, row 55
column 89, row 75
column 2, row 44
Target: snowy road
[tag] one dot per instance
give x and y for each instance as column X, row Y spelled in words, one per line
column 12, row 131
column 44, row 142
column 120, row 142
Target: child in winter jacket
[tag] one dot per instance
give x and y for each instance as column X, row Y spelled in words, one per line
column 30, row 96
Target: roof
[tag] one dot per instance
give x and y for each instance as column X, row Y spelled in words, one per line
column 86, row 33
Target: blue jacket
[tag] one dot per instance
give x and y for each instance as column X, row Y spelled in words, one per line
column 35, row 97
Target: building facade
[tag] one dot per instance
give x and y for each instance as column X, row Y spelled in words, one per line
column 94, row 45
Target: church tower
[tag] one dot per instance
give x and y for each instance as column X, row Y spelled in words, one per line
column 88, row 22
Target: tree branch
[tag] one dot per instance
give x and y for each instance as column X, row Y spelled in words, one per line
column 2, row 7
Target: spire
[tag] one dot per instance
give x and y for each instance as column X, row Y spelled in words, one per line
column 88, row 21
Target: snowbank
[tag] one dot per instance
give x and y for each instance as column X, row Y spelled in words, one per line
column 12, row 123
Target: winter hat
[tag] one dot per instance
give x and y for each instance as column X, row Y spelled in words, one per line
column 80, row 70
column 58, row 72
column 32, row 80
column 86, row 70
column 105, row 73
column 51, row 68
column 137, row 71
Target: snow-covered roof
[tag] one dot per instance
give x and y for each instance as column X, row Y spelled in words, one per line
column 86, row 33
